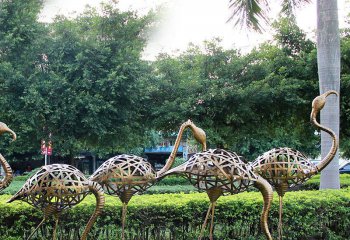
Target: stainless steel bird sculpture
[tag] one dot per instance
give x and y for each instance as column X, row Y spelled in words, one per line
column 285, row 168
column 57, row 187
column 126, row 175
column 220, row 172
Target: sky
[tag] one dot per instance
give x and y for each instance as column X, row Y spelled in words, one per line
column 193, row 21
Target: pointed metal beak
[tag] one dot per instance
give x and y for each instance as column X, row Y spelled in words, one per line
column 326, row 94
column 14, row 136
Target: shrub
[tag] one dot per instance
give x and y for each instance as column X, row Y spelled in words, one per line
column 173, row 180
column 314, row 182
column 171, row 189
column 307, row 215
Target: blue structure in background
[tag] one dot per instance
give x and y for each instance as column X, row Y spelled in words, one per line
column 167, row 149
column 157, row 156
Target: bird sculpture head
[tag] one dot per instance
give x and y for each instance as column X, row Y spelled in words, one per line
column 319, row 102
column 4, row 128
column 198, row 134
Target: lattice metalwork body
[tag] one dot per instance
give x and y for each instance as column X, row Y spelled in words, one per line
column 220, row 172
column 217, row 168
column 284, row 168
column 57, row 187
column 125, row 175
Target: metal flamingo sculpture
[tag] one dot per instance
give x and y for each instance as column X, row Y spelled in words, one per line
column 284, row 168
column 219, row 172
column 125, row 175
column 57, row 187
column 7, row 169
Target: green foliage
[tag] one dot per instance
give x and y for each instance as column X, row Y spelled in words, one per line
column 345, row 93
column 173, row 180
column 161, row 189
column 178, row 161
column 291, row 38
column 84, row 81
column 80, row 79
column 229, row 95
column 307, row 215
column 314, row 182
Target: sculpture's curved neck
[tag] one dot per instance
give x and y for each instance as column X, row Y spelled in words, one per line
column 173, row 153
column 8, row 173
column 97, row 190
column 330, row 155
column 267, row 192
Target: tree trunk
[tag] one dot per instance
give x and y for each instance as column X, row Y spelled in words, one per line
column 328, row 60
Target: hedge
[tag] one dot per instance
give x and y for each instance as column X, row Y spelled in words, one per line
column 307, row 215
column 314, row 182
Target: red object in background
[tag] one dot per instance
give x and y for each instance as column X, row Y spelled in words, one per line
column 49, row 149
column 43, row 147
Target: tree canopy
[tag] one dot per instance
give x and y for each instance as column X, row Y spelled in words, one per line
column 84, row 81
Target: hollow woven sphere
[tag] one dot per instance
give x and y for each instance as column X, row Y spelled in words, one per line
column 58, row 185
column 217, row 168
column 284, row 165
column 125, row 173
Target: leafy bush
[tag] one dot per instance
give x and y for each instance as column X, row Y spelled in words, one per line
column 13, row 187
column 314, row 182
column 173, row 180
column 171, row 189
column 307, row 215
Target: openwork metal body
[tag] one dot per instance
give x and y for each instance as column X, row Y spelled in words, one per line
column 57, row 187
column 284, row 168
column 7, row 169
column 126, row 175
column 220, row 172
column 217, row 168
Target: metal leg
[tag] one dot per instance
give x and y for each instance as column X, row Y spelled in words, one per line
column 212, row 221
column 205, row 222
column 55, row 228
column 36, row 229
column 124, row 210
column 280, row 233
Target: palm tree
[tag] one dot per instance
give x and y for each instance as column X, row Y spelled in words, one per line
column 254, row 14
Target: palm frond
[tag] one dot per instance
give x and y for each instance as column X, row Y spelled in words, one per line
column 249, row 13
column 253, row 14
column 289, row 6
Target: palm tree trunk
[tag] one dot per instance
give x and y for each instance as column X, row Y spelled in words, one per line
column 328, row 60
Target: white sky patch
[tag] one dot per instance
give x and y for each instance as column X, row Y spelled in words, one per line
column 193, row 21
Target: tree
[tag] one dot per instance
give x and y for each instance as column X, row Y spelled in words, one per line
column 253, row 12
column 80, row 79
column 20, row 33
column 230, row 94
